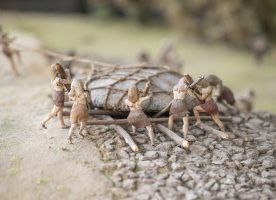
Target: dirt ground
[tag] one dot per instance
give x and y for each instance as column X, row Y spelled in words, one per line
column 37, row 163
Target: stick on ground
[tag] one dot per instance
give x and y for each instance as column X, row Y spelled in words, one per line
column 122, row 132
column 171, row 134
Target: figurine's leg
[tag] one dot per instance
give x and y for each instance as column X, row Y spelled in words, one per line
column 82, row 127
column 133, row 129
column 151, row 134
column 216, row 119
column 198, row 109
column 60, row 116
column 50, row 116
column 185, row 131
column 13, row 65
column 170, row 122
column 71, row 132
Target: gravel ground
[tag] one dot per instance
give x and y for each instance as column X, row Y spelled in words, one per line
column 242, row 167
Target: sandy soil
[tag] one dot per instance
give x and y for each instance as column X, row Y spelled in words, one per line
column 37, row 163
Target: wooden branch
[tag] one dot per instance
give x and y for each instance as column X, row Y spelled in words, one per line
column 152, row 120
column 102, row 112
column 180, row 141
column 122, row 132
column 209, row 129
column 164, row 110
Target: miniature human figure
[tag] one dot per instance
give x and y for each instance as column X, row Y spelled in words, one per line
column 179, row 109
column 59, row 79
column 245, row 101
column 168, row 56
column 143, row 57
column 79, row 112
column 260, row 48
column 9, row 52
column 209, row 106
column 220, row 92
column 137, row 117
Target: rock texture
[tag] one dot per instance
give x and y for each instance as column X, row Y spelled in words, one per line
column 242, row 167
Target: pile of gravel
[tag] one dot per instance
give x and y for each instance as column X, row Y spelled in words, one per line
column 242, row 167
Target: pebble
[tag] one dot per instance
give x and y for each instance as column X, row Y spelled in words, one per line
column 145, row 164
column 219, row 157
column 151, row 155
column 268, row 163
column 122, row 154
column 198, row 149
column 165, row 146
column 177, row 167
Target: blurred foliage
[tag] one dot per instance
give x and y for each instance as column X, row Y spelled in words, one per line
column 235, row 22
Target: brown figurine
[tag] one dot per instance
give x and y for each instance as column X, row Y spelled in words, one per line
column 208, row 106
column 137, row 117
column 59, row 79
column 220, row 92
column 9, row 52
column 79, row 112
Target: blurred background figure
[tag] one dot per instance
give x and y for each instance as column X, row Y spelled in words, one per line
column 143, row 57
column 260, row 48
column 167, row 56
column 245, row 100
column 8, row 51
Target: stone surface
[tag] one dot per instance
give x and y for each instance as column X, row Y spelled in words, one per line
column 239, row 168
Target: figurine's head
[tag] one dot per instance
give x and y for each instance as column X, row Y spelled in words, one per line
column 203, row 83
column 214, row 80
column 77, row 86
column 186, row 79
column 133, row 94
column 57, row 71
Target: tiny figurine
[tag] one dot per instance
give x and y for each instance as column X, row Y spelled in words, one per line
column 178, row 109
column 60, row 80
column 9, row 52
column 79, row 112
column 137, row 118
column 245, row 101
column 143, row 57
column 260, row 47
column 220, row 92
column 208, row 106
column 168, row 56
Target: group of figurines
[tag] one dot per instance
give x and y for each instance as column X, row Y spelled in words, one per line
column 201, row 89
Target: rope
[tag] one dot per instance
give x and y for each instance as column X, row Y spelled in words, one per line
column 93, row 63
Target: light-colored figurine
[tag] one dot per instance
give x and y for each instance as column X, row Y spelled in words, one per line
column 79, row 112
column 137, row 118
column 179, row 109
column 9, row 52
column 60, row 79
column 208, row 105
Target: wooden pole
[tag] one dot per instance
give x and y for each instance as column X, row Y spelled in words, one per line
column 209, row 129
column 101, row 112
column 152, row 120
column 180, row 141
column 122, row 132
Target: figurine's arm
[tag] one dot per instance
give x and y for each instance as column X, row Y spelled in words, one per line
column 145, row 98
column 146, row 89
column 64, row 81
column 205, row 93
column 72, row 95
column 128, row 103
